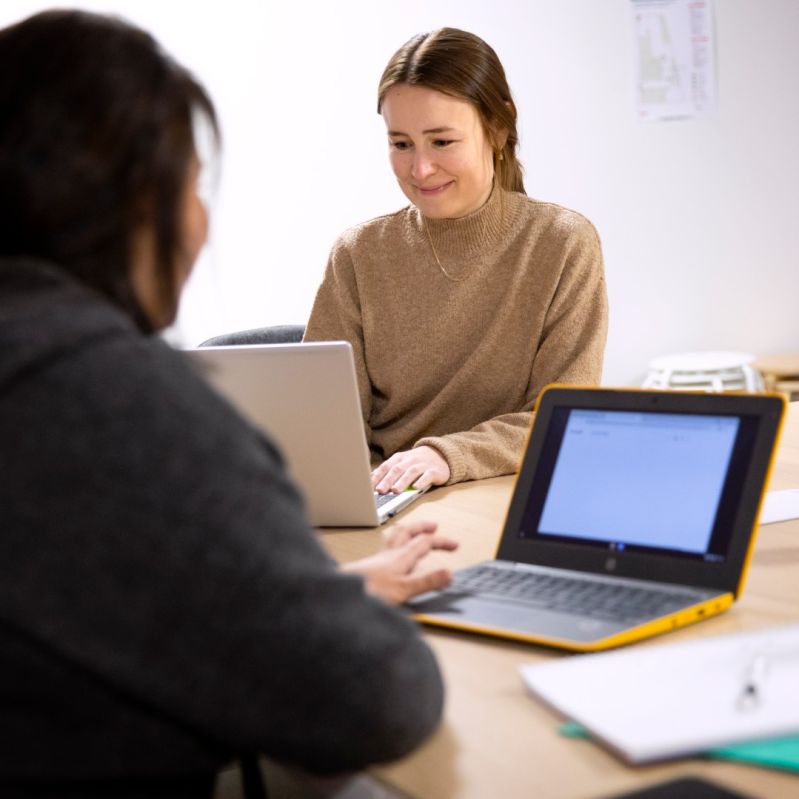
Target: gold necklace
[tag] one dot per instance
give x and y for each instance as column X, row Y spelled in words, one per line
column 435, row 255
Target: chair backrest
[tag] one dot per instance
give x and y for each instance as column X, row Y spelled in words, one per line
column 704, row 371
column 273, row 334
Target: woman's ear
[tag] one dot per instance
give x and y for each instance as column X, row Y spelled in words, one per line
column 498, row 136
column 499, row 131
column 143, row 275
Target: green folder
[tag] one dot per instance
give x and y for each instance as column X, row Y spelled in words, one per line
column 782, row 753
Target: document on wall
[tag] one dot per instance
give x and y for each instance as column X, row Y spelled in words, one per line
column 675, row 60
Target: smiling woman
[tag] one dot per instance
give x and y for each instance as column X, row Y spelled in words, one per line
column 439, row 152
column 462, row 306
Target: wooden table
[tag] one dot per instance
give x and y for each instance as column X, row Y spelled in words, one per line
column 496, row 741
column 780, row 372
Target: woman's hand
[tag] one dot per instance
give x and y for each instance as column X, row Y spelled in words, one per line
column 421, row 467
column 389, row 574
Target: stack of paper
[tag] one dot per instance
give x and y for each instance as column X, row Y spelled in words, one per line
column 663, row 701
column 780, row 506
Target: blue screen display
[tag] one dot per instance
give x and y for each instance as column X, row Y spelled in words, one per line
column 639, row 479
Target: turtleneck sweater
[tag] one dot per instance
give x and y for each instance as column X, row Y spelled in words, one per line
column 457, row 324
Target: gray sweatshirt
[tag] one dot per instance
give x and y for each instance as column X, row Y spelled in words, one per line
column 164, row 604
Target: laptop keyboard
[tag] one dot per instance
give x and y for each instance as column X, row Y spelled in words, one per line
column 382, row 499
column 569, row 595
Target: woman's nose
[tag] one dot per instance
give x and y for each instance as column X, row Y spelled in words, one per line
column 422, row 165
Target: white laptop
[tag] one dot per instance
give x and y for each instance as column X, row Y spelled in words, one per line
column 305, row 397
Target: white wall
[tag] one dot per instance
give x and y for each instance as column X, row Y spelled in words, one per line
column 698, row 218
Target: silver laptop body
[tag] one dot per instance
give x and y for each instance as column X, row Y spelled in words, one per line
column 305, row 398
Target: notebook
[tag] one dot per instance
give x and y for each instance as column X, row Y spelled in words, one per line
column 633, row 513
column 305, row 397
column 679, row 698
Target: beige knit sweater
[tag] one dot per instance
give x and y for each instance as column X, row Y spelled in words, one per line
column 456, row 362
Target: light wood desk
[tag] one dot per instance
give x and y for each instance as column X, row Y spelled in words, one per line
column 496, row 741
column 780, row 372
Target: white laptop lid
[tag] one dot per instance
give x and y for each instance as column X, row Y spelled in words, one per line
column 305, row 397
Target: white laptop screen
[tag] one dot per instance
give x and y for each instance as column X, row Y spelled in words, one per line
column 647, row 479
column 643, row 481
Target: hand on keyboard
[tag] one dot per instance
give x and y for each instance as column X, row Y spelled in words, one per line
column 421, row 467
column 390, row 574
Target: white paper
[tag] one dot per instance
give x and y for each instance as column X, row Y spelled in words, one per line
column 674, row 58
column 661, row 701
column 780, row 506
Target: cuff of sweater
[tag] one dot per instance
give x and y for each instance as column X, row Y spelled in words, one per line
column 450, row 453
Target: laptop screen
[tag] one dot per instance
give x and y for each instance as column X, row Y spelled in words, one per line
column 640, row 481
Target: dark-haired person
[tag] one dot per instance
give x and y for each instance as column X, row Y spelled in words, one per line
column 462, row 306
column 164, row 605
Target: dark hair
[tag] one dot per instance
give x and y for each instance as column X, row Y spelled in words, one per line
column 462, row 65
column 96, row 143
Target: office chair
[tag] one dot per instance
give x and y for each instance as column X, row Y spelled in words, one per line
column 272, row 334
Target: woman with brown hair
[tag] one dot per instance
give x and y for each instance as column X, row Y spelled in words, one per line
column 462, row 306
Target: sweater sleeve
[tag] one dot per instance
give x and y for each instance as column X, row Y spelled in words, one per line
column 336, row 316
column 570, row 350
column 173, row 562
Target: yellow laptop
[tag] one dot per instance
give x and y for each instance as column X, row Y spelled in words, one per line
column 634, row 513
